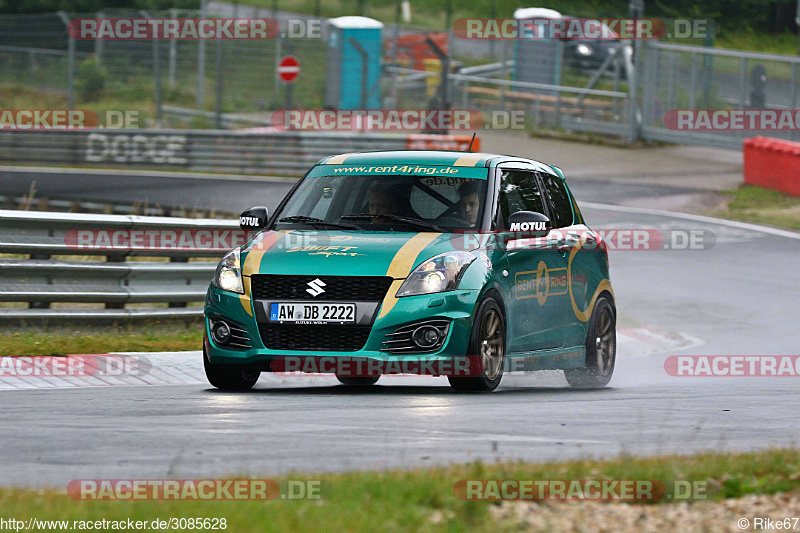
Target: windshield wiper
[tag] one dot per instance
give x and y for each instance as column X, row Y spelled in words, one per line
column 408, row 220
column 312, row 221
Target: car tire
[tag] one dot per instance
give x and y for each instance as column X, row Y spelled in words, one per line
column 364, row 381
column 230, row 377
column 601, row 348
column 487, row 340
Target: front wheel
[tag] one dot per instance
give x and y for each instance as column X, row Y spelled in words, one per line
column 488, row 340
column 601, row 349
column 230, row 377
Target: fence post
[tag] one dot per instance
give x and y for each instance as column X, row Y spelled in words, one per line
column 636, row 10
column 156, row 70
column 218, row 104
column 70, row 65
column 201, row 62
column 173, row 52
column 98, row 43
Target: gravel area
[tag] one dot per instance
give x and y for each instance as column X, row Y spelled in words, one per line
column 597, row 517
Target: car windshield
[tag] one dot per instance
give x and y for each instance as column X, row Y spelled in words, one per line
column 385, row 203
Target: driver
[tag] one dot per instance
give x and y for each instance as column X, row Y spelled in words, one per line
column 381, row 202
column 469, row 205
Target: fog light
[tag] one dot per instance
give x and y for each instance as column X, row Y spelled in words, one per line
column 425, row 336
column 220, row 332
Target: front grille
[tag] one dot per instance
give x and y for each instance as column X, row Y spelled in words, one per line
column 327, row 337
column 340, row 288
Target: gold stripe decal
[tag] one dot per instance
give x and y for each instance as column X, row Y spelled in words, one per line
column 604, row 285
column 469, row 160
column 401, row 265
column 252, row 263
column 337, row 159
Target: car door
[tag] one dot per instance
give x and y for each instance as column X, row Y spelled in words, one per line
column 565, row 235
column 537, row 271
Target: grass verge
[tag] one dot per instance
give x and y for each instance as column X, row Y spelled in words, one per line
column 763, row 206
column 144, row 337
column 418, row 500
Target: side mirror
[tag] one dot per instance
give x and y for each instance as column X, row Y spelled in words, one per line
column 530, row 223
column 254, row 218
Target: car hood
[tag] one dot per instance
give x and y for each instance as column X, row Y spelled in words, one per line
column 342, row 253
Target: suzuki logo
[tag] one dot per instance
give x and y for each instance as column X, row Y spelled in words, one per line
column 315, row 287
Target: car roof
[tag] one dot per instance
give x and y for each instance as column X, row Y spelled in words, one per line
column 432, row 157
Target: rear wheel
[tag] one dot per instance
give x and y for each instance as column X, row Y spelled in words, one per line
column 488, row 341
column 365, row 381
column 230, row 377
column 601, row 348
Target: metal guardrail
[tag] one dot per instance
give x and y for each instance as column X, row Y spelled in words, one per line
column 40, row 280
column 283, row 153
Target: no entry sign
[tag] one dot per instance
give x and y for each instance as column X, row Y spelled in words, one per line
column 288, row 69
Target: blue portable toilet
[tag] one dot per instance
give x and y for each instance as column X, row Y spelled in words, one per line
column 345, row 63
column 537, row 60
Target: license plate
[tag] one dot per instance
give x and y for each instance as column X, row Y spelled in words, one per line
column 312, row 313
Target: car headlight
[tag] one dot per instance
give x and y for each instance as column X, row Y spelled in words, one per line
column 228, row 276
column 584, row 49
column 437, row 274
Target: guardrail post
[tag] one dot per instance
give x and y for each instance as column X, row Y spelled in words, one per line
column 41, row 305
column 116, row 259
column 178, row 260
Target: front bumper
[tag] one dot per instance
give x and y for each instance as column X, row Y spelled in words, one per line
column 455, row 306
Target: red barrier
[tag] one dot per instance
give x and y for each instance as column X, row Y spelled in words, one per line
column 772, row 164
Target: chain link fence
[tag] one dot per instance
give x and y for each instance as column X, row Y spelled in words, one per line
column 697, row 78
column 233, row 83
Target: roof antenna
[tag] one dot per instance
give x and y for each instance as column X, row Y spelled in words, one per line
column 472, row 141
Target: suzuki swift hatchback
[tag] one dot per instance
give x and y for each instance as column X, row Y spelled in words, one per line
column 423, row 256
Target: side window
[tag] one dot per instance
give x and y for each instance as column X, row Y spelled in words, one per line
column 519, row 191
column 559, row 200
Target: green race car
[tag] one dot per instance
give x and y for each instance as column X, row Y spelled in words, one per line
column 444, row 263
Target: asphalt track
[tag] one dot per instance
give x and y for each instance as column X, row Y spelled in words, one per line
column 739, row 297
